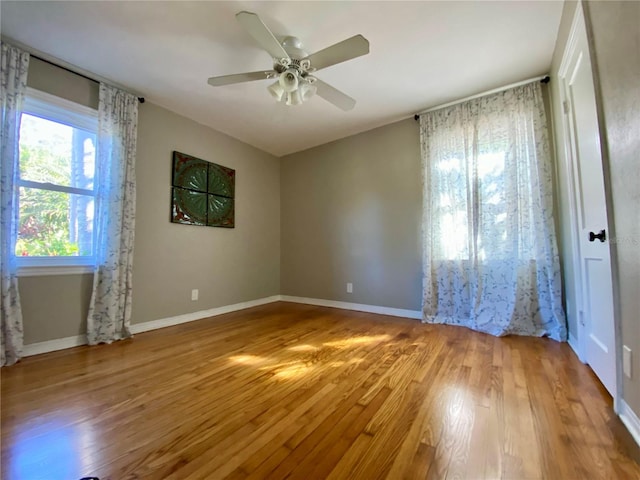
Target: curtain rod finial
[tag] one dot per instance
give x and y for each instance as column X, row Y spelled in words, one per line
column 141, row 99
column 416, row 117
column 546, row 79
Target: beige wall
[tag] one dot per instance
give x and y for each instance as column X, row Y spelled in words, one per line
column 227, row 265
column 615, row 43
column 54, row 306
column 57, row 81
column 351, row 213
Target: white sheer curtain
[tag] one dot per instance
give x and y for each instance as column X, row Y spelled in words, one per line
column 110, row 308
column 13, row 85
column 490, row 253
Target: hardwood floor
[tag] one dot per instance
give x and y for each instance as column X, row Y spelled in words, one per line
column 296, row 391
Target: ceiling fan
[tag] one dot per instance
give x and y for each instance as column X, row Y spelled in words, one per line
column 293, row 67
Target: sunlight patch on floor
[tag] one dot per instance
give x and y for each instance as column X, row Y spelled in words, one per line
column 299, row 367
column 348, row 342
column 304, row 348
column 292, row 371
column 249, row 359
column 280, row 365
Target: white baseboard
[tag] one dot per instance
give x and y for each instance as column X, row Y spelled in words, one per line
column 69, row 342
column 190, row 317
column 630, row 420
column 575, row 346
column 360, row 307
column 53, row 345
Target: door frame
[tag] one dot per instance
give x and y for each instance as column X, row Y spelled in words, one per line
column 569, row 165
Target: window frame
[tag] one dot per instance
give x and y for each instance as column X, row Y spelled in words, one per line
column 56, row 109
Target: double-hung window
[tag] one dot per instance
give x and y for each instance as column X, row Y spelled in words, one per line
column 56, row 184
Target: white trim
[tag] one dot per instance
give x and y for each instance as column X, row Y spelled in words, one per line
column 53, row 345
column 575, row 346
column 199, row 315
column 360, row 307
column 630, row 420
column 483, row 94
column 63, row 112
column 567, row 159
column 45, row 271
column 60, row 110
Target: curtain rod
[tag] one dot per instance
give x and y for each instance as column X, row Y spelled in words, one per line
column 543, row 79
column 56, row 62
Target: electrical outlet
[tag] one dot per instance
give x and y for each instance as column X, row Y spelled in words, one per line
column 626, row 361
column 194, row 294
column 349, row 287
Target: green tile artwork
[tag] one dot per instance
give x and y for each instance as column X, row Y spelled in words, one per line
column 202, row 192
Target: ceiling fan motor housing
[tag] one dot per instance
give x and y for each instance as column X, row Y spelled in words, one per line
column 297, row 60
column 293, row 46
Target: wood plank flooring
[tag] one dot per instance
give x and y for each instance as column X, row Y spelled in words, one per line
column 302, row 392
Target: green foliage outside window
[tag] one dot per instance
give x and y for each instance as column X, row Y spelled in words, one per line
column 43, row 228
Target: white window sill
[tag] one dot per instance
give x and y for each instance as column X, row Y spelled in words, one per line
column 43, row 271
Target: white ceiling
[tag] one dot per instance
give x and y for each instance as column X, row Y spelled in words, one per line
column 422, row 54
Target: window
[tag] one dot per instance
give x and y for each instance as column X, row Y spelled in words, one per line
column 56, row 182
column 472, row 206
column 486, row 187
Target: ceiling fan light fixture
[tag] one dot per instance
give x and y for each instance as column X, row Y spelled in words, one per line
column 289, row 80
column 294, row 98
column 307, row 90
column 276, row 91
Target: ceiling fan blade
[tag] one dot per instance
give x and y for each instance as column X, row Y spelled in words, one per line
column 353, row 47
column 335, row 96
column 241, row 77
column 261, row 33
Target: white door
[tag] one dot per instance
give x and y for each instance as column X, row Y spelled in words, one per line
column 596, row 321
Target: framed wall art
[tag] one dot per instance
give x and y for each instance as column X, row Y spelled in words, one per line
column 202, row 193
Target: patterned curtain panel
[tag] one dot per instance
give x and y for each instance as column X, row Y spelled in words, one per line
column 110, row 307
column 490, row 254
column 15, row 64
